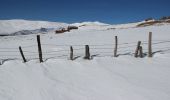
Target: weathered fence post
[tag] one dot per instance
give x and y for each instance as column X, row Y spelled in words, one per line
column 71, row 53
column 39, row 48
column 22, row 54
column 137, row 49
column 150, row 45
column 141, row 52
column 115, row 49
column 87, row 52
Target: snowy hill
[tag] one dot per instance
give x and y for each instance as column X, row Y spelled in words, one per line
column 104, row 77
column 11, row 26
column 90, row 24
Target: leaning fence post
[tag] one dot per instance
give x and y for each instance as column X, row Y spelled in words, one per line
column 39, row 48
column 22, row 54
column 150, row 45
column 87, row 52
column 71, row 53
column 115, row 49
column 137, row 48
column 141, row 52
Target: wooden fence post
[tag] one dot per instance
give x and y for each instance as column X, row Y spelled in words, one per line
column 137, row 49
column 87, row 52
column 22, row 54
column 115, row 49
column 39, row 48
column 150, row 45
column 141, row 52
column 71, row 53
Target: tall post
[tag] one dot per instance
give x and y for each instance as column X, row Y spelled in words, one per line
column 115, row 49
column 141, row 52
column 150, row 45
column 137, row 49
column 71, row 53
column 22, row 54
column 87, row 52
column 39, row 48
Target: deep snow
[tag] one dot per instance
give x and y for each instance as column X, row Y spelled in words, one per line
column 103, row 77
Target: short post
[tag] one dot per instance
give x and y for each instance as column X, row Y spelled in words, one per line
column 22, row 54
column 39, row 48
column 150, row 45
column 137, row 49
column 87, row 52
column 71, row 53
column 141, row 52
column 115, row 49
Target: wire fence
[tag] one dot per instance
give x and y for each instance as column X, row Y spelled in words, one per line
column 96, row 50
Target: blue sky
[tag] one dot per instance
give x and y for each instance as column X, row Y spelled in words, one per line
column 69, row 11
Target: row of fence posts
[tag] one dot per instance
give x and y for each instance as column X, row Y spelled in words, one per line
column 138, row 51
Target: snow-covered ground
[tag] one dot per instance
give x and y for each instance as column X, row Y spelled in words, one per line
column 103, row 77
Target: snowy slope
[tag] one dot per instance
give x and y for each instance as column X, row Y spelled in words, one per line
column 103, row 26
column 102, row 78
column 11, row 26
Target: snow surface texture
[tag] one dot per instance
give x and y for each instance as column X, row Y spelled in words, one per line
column 102, row 78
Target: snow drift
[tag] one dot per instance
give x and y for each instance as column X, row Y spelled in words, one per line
column 99, row 79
